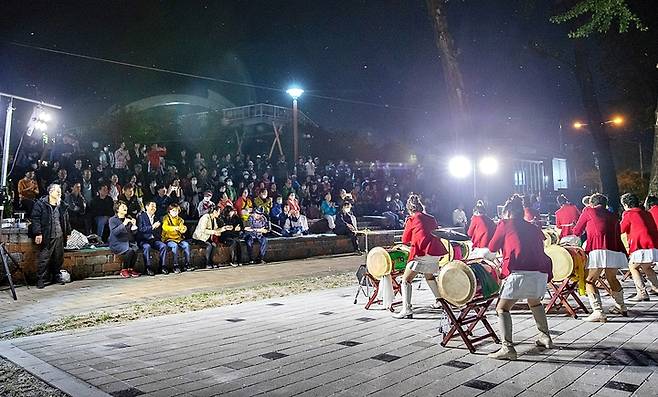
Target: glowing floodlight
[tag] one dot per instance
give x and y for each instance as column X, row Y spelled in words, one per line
column 489, row 165
column 460, row 166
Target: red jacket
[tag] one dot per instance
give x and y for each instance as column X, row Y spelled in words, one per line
column 640, row 229
column 567, row 215
column 481, row 230
column 418, row 234
column 603, row 232
column 523, row 247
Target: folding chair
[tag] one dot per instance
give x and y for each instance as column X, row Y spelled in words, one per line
column 560, row 294
column 457, row 323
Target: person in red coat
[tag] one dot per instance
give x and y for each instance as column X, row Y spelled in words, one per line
column 606, row 254
column 642, row 234
column 526, row 270
column 565, row 219
column 480, row 231
column 426, row 251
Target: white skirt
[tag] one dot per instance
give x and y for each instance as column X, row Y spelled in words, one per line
column 524, row 285
column 424, row 264
column 571, row 240
column 479, row 253
column 606, row 259
column 647, row 255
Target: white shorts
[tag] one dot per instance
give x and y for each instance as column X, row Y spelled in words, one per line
column 606, row 259
column 571, row 240
column 647, row 255
column 524, row 285
column 479, row 253
column 424, row 264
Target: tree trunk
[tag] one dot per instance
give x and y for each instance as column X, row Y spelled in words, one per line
column 451, row 73
column 653, row 183
column 596, row 125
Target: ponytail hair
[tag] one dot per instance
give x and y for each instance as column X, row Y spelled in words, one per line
column 598, row 199
column 414, row 204
column 479, row 208
column 514, row 206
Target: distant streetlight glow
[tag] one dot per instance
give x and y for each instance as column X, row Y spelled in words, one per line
column 618, row 120
column 489, row 165
column 460, row 166
column 578, row 125
column 295, row 92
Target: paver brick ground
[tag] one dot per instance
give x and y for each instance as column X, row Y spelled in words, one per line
column 321, row 344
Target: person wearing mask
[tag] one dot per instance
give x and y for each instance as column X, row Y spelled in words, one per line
column 132, row 202
column 50, row 227
column 346, row 225
column 296, row 225
column 606, row 254
column 224, row 201
column 115, row 188
column 424, row 255
column 390, row 212
column 293, row 203
column 62, row 180
column 148, row 237
column 122, row 239
column 277, row 214
column 526, row 270
column 231, row 226
column 263, row 201
column 173, row 235
column 642, row 234
column 28, row 191
column 230, row 190
column 256, row 227
column 481, row 231
column 206, row 229
column 162, row 201
column 328, row 211
column 565, row 219
column 102, row 208
column 205, row 205
column 244, row 205
column 459, row 218
column 77, row 208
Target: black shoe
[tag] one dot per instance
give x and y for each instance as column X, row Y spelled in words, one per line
column 177, row 270
column 251, row 262
column 41, row 284
column 165, row 271
column 189, row 268
column 150, row 272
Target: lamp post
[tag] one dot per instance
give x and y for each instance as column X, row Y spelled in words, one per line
column 462, row 166
column 295, row 93
column 616, row 121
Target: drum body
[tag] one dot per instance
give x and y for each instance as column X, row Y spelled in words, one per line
column 568, row 261
column 451, row 253
column 399, row 257
column 552, row 236
column 462, row 250
column 381, row 261
column 487, row 277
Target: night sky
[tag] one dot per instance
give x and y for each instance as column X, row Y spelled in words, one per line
column 375, row 51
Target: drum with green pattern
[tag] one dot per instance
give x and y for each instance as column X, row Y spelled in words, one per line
column 399, row 256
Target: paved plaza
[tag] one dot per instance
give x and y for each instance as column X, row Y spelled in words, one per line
column 321, row 344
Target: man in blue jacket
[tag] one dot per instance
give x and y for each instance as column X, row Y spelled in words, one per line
column 147, row 229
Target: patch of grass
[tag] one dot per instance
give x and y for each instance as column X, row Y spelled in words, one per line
column 188, row 303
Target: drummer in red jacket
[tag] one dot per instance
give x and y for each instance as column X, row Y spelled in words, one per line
column 565, row 219
column 526, row 270
column 480, row 231
column 606, row 254
column 642, row 234
column 426, row 251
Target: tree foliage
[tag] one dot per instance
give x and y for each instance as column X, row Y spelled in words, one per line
column 604, row 13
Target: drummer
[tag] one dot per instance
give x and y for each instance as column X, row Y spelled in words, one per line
column 565, row 219
column 526, row 270
column 480, row 231
column 426, row 251
column 606, row 255
column 642, row 234
column 651, row 205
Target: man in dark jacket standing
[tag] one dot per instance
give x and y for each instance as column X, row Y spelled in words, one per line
column 50, row 227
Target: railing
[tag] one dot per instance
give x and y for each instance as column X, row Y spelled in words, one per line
column 263, row 111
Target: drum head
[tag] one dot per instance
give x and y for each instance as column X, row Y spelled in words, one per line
column 378, row 262
column 451, row 253
column 456, row 283
column 562, row 262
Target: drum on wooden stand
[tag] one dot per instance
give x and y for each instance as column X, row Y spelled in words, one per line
column 568, row 261
column 487, row 277
column 451, row 253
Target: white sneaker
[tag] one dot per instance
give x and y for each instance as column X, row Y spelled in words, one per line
column 505, row 353
column 597, row 316
column 404, row 314
column 544, row 341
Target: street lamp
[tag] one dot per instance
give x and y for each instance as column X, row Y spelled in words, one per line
column 462, row 166
column 295, row 93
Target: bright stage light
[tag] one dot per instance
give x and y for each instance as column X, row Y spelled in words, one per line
column 489, row 165
column 295, row 92
column 45, row 116
column 460, row 166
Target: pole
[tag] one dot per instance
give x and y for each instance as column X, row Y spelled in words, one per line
column 5, row 147
column 639, row 144
column 295, row 131
column 475, row 173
